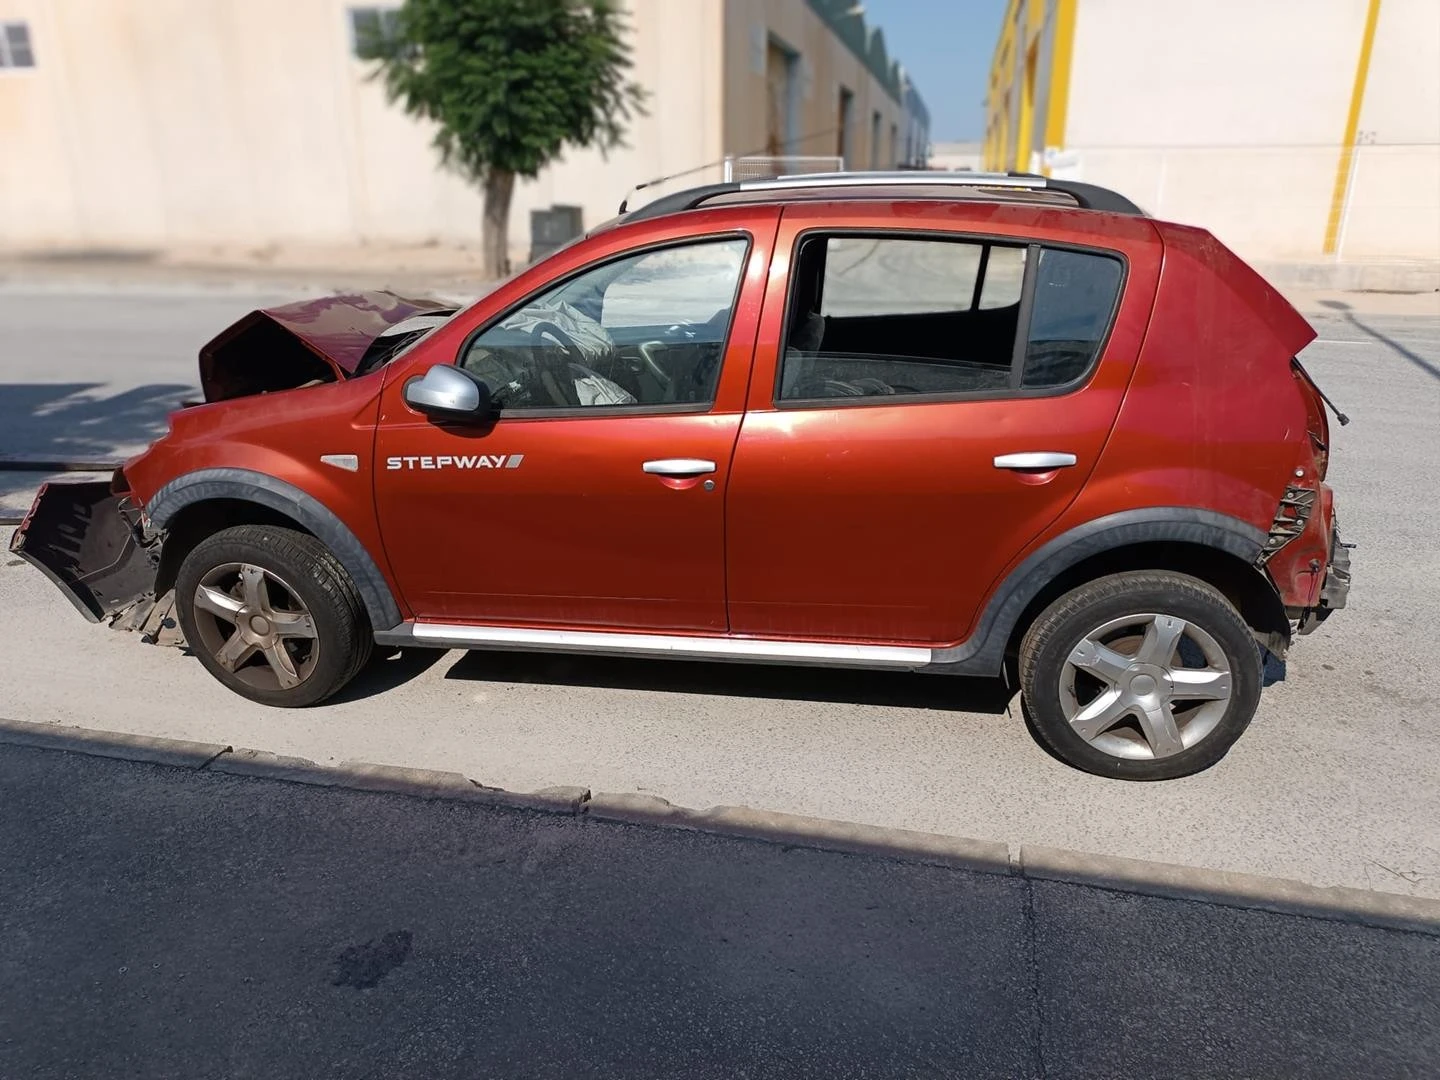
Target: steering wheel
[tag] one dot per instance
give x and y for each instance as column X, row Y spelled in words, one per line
column 647, row 354
column 564, row 340
column 558, row 384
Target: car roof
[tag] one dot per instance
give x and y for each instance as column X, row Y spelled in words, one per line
column 1012, row 187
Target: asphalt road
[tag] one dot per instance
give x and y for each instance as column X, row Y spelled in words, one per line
column 159, row 922
column 1333, row 784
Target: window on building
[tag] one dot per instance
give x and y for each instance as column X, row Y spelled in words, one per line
column 782, row 91
column 15, row 48
column 844, row 124
column 894, row 147
column 372, row 25
column 875, row 140
column 877, row 316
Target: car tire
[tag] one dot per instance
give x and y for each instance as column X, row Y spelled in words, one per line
column 272, row 614
column 1148, row 675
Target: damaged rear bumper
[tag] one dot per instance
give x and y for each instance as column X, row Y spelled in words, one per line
column 90, row 542
column 1335, row 589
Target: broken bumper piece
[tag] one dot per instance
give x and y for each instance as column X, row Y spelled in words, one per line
column 90, row 543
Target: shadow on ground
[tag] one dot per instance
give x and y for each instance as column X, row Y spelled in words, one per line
column 77, row 421
column 949, row 693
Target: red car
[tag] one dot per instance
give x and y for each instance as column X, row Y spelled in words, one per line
column 966, row 424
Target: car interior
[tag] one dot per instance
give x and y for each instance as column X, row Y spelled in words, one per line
column 969, row 348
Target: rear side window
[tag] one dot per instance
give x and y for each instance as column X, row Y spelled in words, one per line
column 877, row 316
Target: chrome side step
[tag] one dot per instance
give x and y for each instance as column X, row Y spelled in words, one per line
column 663, row 646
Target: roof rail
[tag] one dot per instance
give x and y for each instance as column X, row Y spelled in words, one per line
column 1086, row 196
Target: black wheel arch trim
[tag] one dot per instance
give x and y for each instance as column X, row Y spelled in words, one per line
column 983, row 653
column 262, row 489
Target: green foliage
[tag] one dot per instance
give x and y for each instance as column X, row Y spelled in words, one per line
column 511, row 83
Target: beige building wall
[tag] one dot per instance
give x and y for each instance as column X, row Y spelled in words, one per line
column 1235, row 115
column 154, row 123
column 824, row 65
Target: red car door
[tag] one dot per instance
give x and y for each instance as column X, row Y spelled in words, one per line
column 900, row 449
column 596, row 498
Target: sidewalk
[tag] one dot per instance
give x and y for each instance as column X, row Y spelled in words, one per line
column 164, row 921
column 452, row 272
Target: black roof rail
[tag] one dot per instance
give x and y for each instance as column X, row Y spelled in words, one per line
column 1086, row 196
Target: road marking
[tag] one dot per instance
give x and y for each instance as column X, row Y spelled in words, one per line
column 1340, row 341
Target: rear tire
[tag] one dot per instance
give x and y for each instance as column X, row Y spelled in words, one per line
column 1148, row 675
column 272, row 614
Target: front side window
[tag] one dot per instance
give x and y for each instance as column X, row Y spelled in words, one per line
column 880, row 316
column 643, row 331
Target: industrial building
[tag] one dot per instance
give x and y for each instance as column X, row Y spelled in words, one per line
column 156, row 123
column 1299, row 130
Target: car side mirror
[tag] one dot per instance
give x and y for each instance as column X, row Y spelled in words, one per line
column 446, row 392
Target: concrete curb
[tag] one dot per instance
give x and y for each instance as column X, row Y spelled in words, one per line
column 984, row 856
column 1387, row 911
column 395, row 780
column 112, row 744
column 1390, row 911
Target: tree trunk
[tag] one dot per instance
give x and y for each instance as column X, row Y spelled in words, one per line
column 495, row 229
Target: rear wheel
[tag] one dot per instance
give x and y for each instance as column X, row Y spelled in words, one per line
column 1148, row 675
column 272, row 614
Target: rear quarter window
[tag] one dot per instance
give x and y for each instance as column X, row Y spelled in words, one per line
column 1075, row 295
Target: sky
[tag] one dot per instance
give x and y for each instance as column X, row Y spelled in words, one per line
column 946, row 46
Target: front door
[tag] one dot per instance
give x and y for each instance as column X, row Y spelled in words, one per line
column 596, row 498
column 880, row 484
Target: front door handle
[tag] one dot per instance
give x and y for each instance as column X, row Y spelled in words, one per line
column 1035, row 459
column 680, row 466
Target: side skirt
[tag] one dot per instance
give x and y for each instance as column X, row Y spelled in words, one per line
column 661, row 646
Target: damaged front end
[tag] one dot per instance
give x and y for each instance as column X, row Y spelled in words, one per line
column 89, row 538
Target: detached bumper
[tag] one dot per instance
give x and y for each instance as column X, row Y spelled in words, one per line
column 88, row 541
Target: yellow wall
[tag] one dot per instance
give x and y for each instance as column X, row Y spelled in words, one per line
column 1273, row 138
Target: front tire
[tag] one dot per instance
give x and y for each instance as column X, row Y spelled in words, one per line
column 1148, row 675
column 272, row 614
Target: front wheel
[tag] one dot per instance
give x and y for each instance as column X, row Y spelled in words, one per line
column 272, row 614
column 1149, row 675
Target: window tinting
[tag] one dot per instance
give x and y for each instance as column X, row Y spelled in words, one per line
column 15, row 48
column 1075, row 295
column 877, row 316
column 645, row 330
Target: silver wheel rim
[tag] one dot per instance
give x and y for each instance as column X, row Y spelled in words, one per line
column 256, row 626
column 1145, row 686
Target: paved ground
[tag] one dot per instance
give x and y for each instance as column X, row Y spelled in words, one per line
column 159, row 922
column 1334, row 784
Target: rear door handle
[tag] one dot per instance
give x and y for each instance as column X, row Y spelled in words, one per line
column 1035, row 459
column 680, row 466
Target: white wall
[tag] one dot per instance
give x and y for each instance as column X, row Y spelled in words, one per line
column 1231, row 114
column 157, row 122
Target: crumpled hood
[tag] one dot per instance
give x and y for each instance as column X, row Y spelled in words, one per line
column 320, row 340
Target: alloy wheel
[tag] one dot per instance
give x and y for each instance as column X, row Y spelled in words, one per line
column 256, row 626
column 1145, row 686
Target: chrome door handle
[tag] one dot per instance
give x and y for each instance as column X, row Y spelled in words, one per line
column 679, row 466
column 1035, row 459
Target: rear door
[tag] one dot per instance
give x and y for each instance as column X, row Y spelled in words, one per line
column 927, row 397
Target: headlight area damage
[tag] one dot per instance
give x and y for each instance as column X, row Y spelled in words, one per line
column 88, row 537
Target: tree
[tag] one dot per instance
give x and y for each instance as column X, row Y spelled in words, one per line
column 510, row 84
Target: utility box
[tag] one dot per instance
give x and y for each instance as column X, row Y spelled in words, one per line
column 553, row 228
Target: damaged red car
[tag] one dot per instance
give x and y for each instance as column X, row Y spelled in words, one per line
column 963, row 424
